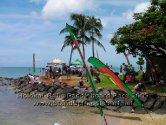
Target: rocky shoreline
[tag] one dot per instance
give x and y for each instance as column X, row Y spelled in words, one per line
column 114, row 100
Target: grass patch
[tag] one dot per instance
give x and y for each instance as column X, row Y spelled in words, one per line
column 108, row 84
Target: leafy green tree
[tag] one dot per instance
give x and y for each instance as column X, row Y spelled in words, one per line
column 147, row 35
column 140, row 61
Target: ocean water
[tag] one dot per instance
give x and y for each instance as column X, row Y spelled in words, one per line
column 15, row 72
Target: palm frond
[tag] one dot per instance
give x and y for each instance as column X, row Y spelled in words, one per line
column 64, row 30
column 98, row 43
column 64, row 46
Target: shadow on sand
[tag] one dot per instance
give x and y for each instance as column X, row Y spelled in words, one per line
column 124, row 117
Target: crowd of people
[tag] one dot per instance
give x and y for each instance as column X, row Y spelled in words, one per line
column 55, row 72
column 129, row 75
column 127, row 71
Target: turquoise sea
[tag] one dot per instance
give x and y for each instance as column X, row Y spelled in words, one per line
column 15, row 72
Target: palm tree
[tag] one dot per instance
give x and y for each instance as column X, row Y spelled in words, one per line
column 80, row 22
column 68, row 42
column 95, row 25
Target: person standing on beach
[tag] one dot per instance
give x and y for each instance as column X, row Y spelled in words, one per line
column 50, row 71
column 124, row 71
column 84, row 73
column 64, row 70
column 59, row 79
column 81, row 82
column 59, row 70
column 120, row 68
column 46, row 72
column 68, row 72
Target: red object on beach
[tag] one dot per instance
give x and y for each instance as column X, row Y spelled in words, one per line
column 129, row 78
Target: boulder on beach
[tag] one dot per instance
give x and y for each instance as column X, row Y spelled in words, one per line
column 150, row 102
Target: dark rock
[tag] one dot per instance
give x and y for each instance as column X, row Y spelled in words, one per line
column 46, row 87
column 139, row 110
column 52, row 90
column 164, row 105
column 34, row 92
column 81, row 100
column 58, row 91
column 23, row 85
column 128, row 101
column 76, row 88
column 91, row 98
column 4, row 82
column 119, row 100
column 89, row 89
column 159, row 102
column 102, row 103
column 91, row 104
column 125, row 109
column 68, row 89
column 81, row 90
column 18, row 91
column 108, row 101
column 157, row 105
column 143, row 97
column 103, row 94
column 39, row 87
column 112, row 108
column 28, row 90
column 150, row 102
column 160, row 111
column 119, row 92
column 162, row 98
column 34, row 87
column 151, row 95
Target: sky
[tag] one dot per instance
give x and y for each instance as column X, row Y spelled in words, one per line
column 33, row 26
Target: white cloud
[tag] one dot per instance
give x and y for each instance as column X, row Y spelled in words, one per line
column 54, row 9
column 118, row 3
column 114, row 21
column 128, row 14
column 139, row 8
column 142, row 7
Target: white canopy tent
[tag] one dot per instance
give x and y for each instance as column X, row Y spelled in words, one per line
column 56, row 62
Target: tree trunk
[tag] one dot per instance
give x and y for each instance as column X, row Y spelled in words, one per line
column 93, row 46
column 83, row 48
column 161, row 61
column 71, row 53
column 151, row 67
